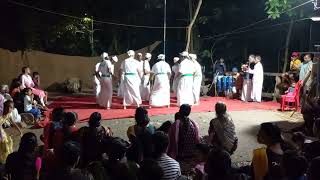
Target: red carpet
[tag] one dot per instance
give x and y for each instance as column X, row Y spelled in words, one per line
column 85, row 105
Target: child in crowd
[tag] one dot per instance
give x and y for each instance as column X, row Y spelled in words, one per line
column 36, row 79
column 291, row 88
column 165, row 127
column 30, row 106
column 5, row 92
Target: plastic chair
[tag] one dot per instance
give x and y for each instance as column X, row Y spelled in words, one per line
column 291, row 99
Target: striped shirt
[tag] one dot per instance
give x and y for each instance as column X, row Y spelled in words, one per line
column 170, row 167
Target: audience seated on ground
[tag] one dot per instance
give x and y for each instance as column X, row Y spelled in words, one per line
column 313, row 172
column 295, row 166
column 30, row 105
column 183, row 135
column 222, row 130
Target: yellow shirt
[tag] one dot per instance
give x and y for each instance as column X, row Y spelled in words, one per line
column 295, row 64
column 6, row 144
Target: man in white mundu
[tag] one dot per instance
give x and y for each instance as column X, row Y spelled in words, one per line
column 145, row 84
column 247, row 80
column 131, row 71
column 104, row 75
column 175, row 71
column 197, row 79
column 160, row 94
column 185, row 85
column 96, row 82
column 257, row 80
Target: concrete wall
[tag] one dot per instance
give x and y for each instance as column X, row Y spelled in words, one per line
column 54, row 68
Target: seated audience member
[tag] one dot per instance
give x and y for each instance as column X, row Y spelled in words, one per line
column 140, row 136
column 183, row 135
column 36, row 79
column 266, row 162
column 115, row 166
column 5, row 92
column 310, row 111
column 312, row 150
column 1, row 104
column 17, row 94
column 295, row 63
column 294, row 165
column 67, row 133
column 26, row 82
column 170, row 167
column 71, row 155
column 150, row 169
column 91, row 139
column 218, row 166
column 313, row 172
column 291, row 88
column 25, row 163
column 30, row 105
column 299, row 140
column 165, row 127
column 6, row 144
column 222, row 130
column 199, row 173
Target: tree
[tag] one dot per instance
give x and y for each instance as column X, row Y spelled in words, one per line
column 193, row 20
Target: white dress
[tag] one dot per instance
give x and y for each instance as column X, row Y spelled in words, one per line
column 197, row 80
column 131, row 82
column 145, row 85
column 96, row 82
column 175, row 70
column 257, row 81
column 105, row 95
column 185, row 85
column 160, row 94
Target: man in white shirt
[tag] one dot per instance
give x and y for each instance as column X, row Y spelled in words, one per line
column 197, row 79
column 145, row 84
column 185, row 85
column 132, row 72
column 160, row 95
column 96, row 82
column 257, row 80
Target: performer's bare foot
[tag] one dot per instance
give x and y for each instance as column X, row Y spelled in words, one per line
column 150, row 107
column 124, row 107
column 108, row 108
column 168, row 106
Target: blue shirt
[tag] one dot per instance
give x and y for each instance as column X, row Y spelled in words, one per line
column 305, row 68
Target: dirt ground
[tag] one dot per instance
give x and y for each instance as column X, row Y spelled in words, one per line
column 246, row 123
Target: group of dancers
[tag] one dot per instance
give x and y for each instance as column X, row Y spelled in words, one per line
column 139, row 82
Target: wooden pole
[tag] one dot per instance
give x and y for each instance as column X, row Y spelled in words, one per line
column 189, row 30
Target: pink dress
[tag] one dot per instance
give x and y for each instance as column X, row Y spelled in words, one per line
column 27, row 82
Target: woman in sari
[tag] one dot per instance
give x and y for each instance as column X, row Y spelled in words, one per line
column 27, row 82
column 183, row 135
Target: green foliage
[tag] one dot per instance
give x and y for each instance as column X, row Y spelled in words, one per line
column 275, row 8
column 206, row 54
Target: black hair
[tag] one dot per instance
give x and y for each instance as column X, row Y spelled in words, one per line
column 165, row 127
column 298, row 137
column 203, row 148
column 70, row 119
column 185, row 110
column 160, row 142
column 294, row 164
column 6, row 106
column 141, row 117
column 70, row 153
column 95, row 120
column 218, row 163
column 26, row 90
column 28, row 143
column 35, row 74
column 115, row 147
column 272, row 131
column 150, row 169
column 314, row 173
column 58, row 114
column 177, row 116
column 23, row 69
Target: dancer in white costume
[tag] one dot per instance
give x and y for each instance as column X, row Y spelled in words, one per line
column 257, row 80
column 185, row 85
column 96, row 82
column 145, row 82
column 160, row 94
column 104, row 74
column 175, row 71
column 197, row 79
column 247, row 82
column 132, row 72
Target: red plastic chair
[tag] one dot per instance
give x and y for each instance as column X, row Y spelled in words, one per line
column 291, row 99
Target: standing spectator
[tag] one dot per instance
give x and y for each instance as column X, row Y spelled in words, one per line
column 267, row 162
column 295, row 63
column 306, row 67
column 222, row 130
column 184, row 135
column 220, row 68
column 25, row 163
column 170, row 167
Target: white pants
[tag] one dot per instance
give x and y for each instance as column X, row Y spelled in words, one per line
column 145, row 88
column 105, row 95
column 196, row 88
column 246, row 90
column 185, row 91
column 97, row 86
column 257, row 90
column 131, row 90
column 160, row 95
